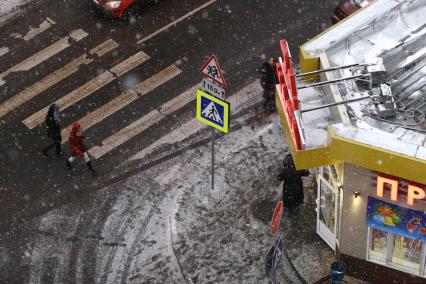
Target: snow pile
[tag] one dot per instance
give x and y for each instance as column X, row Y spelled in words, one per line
column 379, row 29
column 346, row 28
column 314, row 122
column 7, row 6
column 388, row 142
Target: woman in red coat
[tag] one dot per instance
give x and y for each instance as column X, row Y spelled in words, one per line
column 77, row 147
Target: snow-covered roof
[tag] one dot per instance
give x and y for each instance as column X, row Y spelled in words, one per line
column 315, row 123
column 392, row 32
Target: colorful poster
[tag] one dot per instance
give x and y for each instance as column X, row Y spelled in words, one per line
column 395, row 219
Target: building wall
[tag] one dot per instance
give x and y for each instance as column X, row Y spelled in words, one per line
column 353, row 235
column 353, row 231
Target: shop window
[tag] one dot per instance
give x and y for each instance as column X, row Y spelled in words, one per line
column 397, row 251
column 407, row 253
column 331, row 175
column 327, row 205
column 325, row 172
column 378, row 241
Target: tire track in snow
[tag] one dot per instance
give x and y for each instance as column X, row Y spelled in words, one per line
column 130, row 218
column 77, row 247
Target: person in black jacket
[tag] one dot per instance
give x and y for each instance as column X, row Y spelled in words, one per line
column 53, row 130
column 293, row 194
column 268, row 81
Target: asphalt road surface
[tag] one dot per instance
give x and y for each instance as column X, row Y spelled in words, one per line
column 130, row 82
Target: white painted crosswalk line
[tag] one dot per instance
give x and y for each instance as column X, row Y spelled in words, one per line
column 193, row 126
column 45, row 53
column 104, row 48
column 3, row 51
column 55, row 77
column 187, row 129
column 142, row 124
column 157, row 80
column 129, row 63
column 103, row 112
column 45, row 25
column 9, row 16
column 33, row 32
column 86, row 89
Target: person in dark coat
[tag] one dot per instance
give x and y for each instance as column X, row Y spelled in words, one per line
column 53, row 130
column 293, row 194
column 77, row 147
column 268, row 81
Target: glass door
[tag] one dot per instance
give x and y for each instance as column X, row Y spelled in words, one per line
column 327, row 205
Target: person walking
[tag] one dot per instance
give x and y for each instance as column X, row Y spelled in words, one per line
column 77, row 147
column 293, row 194
column 53, row 130
column 268, row 81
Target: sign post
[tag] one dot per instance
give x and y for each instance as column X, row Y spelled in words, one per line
column 276, row 256
column 212, row 173
column 210, row 109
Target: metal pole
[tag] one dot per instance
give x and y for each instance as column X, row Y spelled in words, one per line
column 329, row 69
column 333, row 81
column 212, row 158
column 334, row 104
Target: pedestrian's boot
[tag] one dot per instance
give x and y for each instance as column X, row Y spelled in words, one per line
column 69, row 165
column 90, row 167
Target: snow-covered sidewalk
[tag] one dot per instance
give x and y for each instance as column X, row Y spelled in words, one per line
column 223, row 235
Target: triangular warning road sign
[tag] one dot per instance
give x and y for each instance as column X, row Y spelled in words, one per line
column 211, row 69
column 211, row 112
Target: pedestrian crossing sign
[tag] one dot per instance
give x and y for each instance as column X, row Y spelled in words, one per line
column 212, row 111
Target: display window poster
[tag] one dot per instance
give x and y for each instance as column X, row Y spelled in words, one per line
column 395, row 219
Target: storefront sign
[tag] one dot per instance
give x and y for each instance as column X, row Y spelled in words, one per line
column 413, row 192
column 395, row 219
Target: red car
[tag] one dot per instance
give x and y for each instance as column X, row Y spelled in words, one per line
column 115, row 8
column 348, row 7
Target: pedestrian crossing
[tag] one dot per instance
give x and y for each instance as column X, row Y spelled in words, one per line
column 55, row 77
column 33, row 32
column 45, row 53
column 124, row 99
column 34, row 100
column 142, row 124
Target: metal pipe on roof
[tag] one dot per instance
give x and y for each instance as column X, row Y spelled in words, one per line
column 330, row 69
column 415, row 100
column 334, row 81
column 413, row 88
column 400, row 70
column 406, row 75
column 335, row 104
